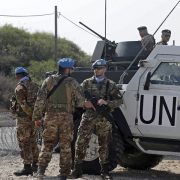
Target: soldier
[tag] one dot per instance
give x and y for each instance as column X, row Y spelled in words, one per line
column 147, row 40
column 166, row 34
column 58, row 95
column 108, row 94
column 24, row 99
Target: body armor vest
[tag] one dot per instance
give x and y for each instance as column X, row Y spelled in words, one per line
column 60, row 100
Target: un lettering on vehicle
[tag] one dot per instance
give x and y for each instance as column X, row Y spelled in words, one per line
column 157, row 110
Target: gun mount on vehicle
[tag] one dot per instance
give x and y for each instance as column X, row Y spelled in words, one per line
column 119, row 55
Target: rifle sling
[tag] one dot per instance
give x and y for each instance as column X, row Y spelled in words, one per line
column 56, row 86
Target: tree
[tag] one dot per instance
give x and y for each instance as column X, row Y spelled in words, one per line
column 19, row 47
column 37, row 70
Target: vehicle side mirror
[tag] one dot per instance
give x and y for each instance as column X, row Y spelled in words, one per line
column 147, row 82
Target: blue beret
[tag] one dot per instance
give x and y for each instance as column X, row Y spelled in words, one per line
column 99, row 63
column 66, row 63
column 19, row 70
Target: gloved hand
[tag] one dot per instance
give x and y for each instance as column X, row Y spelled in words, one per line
column 38, row 123
column 89, row 105
column 102, row 102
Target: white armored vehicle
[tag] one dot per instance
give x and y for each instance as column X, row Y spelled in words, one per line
column 147, row 126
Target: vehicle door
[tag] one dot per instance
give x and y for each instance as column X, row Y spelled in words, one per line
column 158, row 109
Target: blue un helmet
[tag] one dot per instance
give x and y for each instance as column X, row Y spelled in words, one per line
column 20, row 70
column 99, row 63
column 66, row 63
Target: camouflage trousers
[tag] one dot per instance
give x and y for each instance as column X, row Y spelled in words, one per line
column 99, row 126
column 26, row 136
column 58, row 127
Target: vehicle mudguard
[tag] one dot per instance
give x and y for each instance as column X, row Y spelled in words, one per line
column 121, row 123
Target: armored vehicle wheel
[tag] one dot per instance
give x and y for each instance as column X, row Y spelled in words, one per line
column 116, row 148
column 139, row 161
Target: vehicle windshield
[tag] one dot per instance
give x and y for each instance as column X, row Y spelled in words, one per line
column 167, row 73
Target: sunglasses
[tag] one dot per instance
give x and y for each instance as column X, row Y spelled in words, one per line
column 167, row 35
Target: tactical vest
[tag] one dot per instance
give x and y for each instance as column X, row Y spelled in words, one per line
column 31, row 90
column 97, row 90
column 60, row 100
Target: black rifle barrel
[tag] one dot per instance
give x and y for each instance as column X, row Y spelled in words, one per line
column 103, row 38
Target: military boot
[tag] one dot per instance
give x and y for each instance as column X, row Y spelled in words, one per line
column 34, row 167
column 105, row 172
column 40, row 171
column 27, row 170
column 77, row 171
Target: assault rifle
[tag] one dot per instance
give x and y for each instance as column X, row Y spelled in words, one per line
column 116, row 118
column 102, row 110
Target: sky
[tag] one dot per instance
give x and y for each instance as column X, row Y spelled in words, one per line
column 123, row 18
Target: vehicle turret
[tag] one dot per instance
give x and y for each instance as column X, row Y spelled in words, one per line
column 119, row 55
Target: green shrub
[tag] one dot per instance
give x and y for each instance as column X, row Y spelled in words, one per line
column 37, row 70
column 6, row 90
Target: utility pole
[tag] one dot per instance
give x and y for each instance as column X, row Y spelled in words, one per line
column 55, row 35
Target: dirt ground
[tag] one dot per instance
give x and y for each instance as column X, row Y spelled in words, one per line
column 169, row 168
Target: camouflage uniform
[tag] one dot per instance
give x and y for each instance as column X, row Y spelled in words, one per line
column 148, row 42
column 26, row 92
column 58, row 121
column 93, row 123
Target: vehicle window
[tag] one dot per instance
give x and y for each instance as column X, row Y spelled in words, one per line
column 167, row 74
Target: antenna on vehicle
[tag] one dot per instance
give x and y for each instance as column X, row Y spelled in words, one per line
column 105, row 19
column 142, row 49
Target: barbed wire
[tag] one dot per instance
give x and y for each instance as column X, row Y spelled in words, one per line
column 8, row 140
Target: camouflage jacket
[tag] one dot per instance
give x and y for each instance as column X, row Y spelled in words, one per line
column 148, row 42
column 107, row 90
column 73, row 89
column 25, row 95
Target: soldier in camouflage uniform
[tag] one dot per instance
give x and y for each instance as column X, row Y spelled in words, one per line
column 166, row 34
column 58, row 120
column 23, row 103
column 147, row 40
column 108, row 94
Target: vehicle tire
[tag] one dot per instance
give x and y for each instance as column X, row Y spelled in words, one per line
column 139, row 160
column 116, row 148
